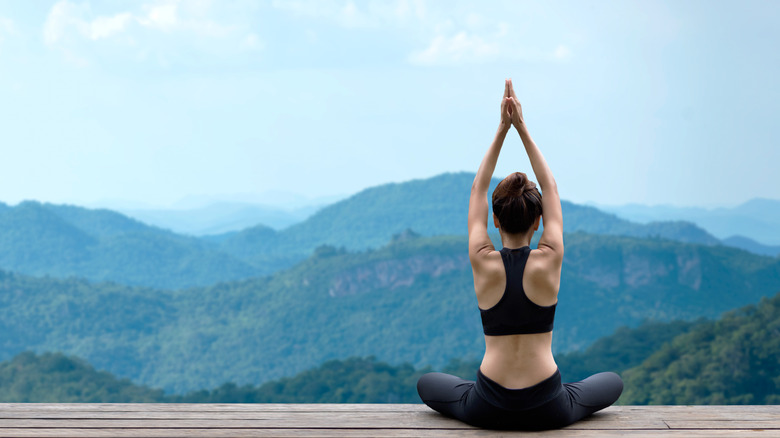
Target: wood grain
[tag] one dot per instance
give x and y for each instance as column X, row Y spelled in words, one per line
column 361, row 420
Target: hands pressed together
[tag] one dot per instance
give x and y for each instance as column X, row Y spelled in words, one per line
column 511, row 111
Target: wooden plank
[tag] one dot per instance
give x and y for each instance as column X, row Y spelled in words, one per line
column 294, row 422
column 318, row 419
column 686, row 410
column 379, row 433
column 724, row 424
column 207, row 407
column 345, row 421
column 357, row 420
column 657, row 411
column 183, row 415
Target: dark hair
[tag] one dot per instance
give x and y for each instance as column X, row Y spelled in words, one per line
column 517, row 203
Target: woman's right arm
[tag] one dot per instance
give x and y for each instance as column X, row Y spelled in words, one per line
column 552, row 216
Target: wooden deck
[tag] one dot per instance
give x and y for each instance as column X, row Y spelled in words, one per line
column 343, row 420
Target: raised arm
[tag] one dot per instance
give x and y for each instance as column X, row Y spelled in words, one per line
column 551, row 242
column 479, row 241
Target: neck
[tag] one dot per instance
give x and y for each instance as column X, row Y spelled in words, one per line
column 516, row 240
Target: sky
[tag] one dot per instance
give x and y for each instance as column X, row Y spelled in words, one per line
column 151, row 103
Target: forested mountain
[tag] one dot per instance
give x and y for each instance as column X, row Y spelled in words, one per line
column 56, row 378
column 433, row 206
column 353, row 380
column 409, row 301
column 732, row 360
column 102, row 245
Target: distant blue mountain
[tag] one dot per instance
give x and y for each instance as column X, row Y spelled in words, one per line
column 221, row 217
column 757, row 219
column 751, row 245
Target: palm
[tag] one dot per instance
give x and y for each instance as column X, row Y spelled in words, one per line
column 513, row 104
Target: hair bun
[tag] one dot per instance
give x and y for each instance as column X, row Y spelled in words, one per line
column 516, row 212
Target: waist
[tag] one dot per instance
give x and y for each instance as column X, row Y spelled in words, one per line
column 518, row 361
column 519, row 347
column 518, row 399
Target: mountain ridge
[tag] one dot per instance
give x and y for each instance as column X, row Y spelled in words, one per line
column 103, row 245
column 757, row 219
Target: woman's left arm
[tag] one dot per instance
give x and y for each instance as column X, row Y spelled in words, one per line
column 479, row 241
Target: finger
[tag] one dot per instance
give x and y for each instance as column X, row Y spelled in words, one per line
column 507, row 85
column 511, row 89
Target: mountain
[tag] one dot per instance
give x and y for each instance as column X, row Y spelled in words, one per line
column 751, row 245
column 221, row 217
column 56, row 378
column 757, row 219
column 734, row 360
column 409, row 301
column 101, row 245
column 431, row 207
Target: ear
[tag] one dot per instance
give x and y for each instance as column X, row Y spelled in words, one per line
column 495, row 221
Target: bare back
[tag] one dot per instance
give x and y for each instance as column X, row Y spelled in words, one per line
column 515, row 361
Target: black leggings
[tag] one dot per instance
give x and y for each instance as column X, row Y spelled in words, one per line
column 546, row 405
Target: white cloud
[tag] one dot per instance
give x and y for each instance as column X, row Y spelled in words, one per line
column 163, row 17
column 67, row 19
column 351, row 14
column 154, row 30
column 474, row 39
column 104, row 27
column 439, row 33
column 62, row 16
column 459, row 48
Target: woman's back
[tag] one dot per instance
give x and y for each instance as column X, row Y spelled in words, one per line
column 524, row 359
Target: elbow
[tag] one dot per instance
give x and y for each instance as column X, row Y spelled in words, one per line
column 549, row 185
column 477, row 188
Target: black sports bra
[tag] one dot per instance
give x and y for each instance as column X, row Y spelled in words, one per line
column 515, row 313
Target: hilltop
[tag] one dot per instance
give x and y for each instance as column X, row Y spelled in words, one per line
column 102, row 245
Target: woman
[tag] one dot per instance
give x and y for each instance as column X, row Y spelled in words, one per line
column 518, row 384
